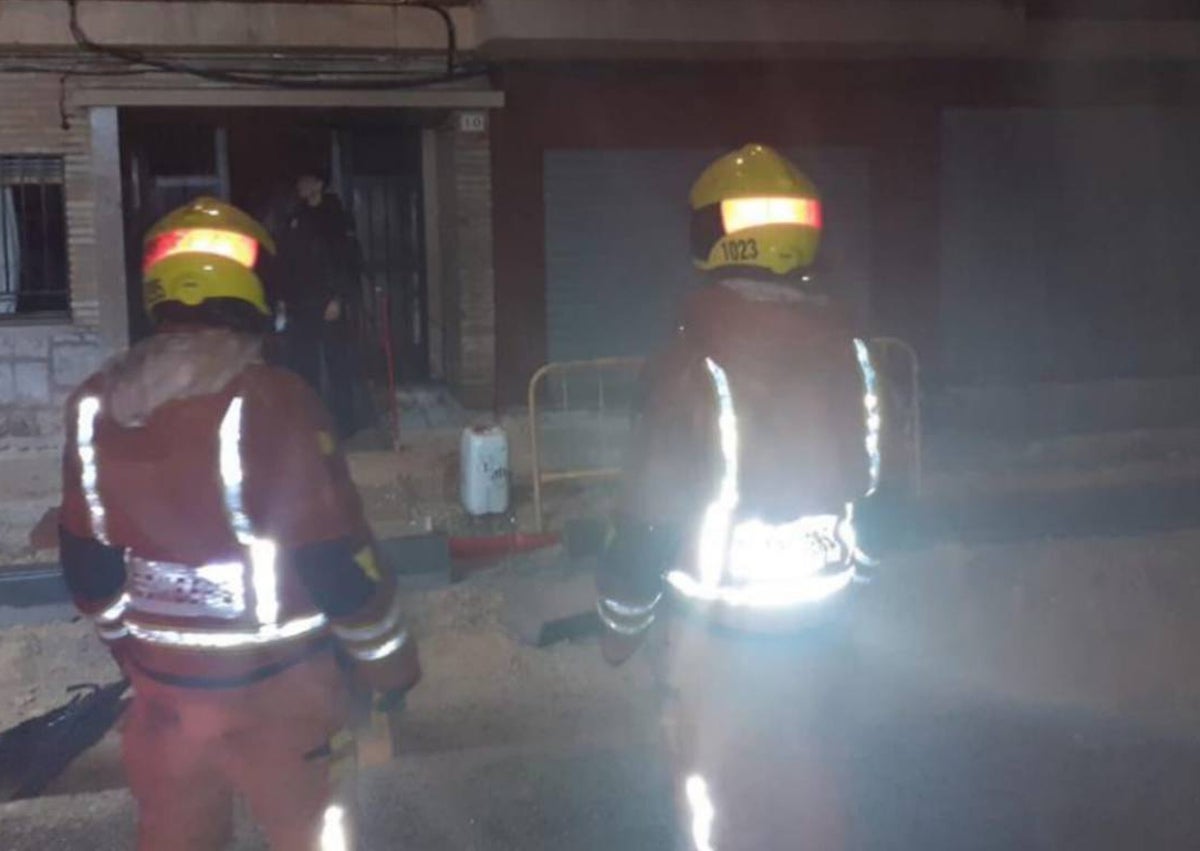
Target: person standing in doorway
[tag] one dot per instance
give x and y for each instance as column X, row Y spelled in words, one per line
column 318, row 296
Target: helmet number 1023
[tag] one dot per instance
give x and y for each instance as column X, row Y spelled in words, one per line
column 735, row 250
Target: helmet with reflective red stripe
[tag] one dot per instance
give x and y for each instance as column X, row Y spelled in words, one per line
column 201, row 254
column 753, row 209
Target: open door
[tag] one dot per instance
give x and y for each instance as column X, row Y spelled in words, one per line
column 252, row 158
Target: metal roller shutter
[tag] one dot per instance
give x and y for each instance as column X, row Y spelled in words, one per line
column 1068, row 243
column 617, row 254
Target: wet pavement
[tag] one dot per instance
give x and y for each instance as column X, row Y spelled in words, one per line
column 920, row 770
column 915, row 761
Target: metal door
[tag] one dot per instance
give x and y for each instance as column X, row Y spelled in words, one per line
column 380, row 173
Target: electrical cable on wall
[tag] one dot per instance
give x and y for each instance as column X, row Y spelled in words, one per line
column 138, row 61
column 64, row 119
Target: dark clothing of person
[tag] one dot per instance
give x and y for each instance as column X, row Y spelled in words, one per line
column 322, row 353
column 319, row 263
column 318, row 259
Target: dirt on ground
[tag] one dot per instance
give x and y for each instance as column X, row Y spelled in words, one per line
column 39, row 662
column 1103, row 624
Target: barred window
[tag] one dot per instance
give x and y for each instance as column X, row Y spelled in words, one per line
column 33, row 236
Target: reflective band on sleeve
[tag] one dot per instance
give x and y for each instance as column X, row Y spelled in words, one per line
column 262, row 552
column 623, row 625
column 871, row 410
column 631, row 610
column 374, row 654
column 88, row 413
column 371, row 632
column 112, row 633
column 227, row 640
column 113, row 612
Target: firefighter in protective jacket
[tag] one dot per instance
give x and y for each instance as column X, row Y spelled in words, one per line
column 211, row 531
column 758, row 434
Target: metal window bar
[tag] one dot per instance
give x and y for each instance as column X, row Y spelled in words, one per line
column 33, row 235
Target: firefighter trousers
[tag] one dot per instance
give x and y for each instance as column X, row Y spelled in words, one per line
column 753, row 726
column 279, row 744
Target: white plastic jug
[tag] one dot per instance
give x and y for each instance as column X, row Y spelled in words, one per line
column 483, row 470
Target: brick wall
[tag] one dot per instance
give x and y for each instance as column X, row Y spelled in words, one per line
column 471, row 266
column 39, row 366
column 40, row 363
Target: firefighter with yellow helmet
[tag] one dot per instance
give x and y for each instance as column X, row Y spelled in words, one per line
column 210, row 530
column 757, row 437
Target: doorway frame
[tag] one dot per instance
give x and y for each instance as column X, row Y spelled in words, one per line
column 103, row 105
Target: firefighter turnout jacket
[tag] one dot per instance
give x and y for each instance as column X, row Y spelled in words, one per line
column 758, row 431
column 209, row 526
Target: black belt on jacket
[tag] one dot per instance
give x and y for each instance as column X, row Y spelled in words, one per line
column 255, row 676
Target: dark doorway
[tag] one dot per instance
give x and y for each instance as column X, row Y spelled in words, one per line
column 370, row 159
column 386, row 203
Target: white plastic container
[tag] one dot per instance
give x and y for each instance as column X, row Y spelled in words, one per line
column 483, row 470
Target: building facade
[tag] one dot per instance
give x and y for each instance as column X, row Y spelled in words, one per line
column 993, row 172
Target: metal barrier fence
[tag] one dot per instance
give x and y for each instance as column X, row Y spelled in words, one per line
column 594, row 390
column 592, row 397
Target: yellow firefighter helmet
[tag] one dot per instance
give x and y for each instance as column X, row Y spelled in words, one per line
column 753, row 209
column 203, row 251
